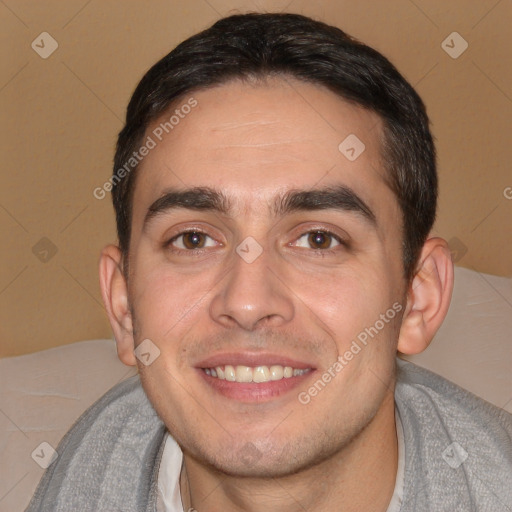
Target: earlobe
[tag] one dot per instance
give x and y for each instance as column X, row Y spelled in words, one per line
column 428, row 297
column 115, row 297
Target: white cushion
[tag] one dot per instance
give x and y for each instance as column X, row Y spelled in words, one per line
column 473, row 347
column 42, row 394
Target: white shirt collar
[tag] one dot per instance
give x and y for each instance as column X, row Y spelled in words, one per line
column 398, row 494
column 169, row 495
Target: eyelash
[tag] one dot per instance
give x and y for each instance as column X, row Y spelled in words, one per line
column 193, row 252
column 199, row 252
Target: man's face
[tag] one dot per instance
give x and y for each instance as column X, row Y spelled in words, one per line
column 269, row 280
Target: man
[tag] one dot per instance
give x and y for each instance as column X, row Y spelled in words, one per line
column 274, row 189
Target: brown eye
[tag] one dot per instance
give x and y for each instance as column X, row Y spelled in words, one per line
column 191, row 240
column 318, row 240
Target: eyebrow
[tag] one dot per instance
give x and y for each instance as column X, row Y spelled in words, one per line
column 339, row 197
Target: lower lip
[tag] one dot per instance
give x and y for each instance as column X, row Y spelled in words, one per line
column 250, row 392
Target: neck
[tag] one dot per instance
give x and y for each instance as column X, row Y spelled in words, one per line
column 361, row 476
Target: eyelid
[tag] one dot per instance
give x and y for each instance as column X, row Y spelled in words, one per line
column 325, row 232
column 167, row 244
column 311, row 227
column 341, row 241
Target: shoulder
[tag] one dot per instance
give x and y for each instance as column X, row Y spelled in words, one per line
column 458, row 446
column 422, row 390
column 108, row 454
column 417, row 381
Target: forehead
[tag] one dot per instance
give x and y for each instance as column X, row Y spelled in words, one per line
column 254, row 140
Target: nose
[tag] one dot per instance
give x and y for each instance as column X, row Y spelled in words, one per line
column 252, row 295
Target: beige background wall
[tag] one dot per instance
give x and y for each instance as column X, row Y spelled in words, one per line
column 61, row 115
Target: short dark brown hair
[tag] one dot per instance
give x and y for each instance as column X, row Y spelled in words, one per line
column 256, row 46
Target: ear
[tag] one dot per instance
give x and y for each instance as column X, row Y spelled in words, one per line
column 115, row 297
column 428, row 297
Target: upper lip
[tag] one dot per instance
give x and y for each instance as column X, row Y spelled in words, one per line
column 252, row 359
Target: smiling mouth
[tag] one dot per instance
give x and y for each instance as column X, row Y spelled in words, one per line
column 256, row 374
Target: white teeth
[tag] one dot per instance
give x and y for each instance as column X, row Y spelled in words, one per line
column 261, row 374
column 256, row 374
column 276, row 372
column 243, row 374
column 229, row 373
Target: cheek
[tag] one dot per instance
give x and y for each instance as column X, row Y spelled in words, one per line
column 169, row 308
column 171, row 395
column 162, row 301
column 351, row 301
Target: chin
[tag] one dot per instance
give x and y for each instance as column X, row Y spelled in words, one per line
column 267, row 461
column 262, row 469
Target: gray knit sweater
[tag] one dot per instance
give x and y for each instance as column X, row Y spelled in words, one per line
column 458, row 452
